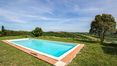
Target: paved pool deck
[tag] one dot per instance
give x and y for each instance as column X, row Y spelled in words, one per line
column 63, row 62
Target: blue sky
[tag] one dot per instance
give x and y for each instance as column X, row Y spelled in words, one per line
column 53, row 15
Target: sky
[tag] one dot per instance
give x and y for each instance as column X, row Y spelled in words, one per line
column 53, row 15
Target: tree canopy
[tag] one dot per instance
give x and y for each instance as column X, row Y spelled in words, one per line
column 3, row 32
column 102, row 24
column 37, row 32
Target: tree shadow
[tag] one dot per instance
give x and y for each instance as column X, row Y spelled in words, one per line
column 110, row 48
column 112, row 44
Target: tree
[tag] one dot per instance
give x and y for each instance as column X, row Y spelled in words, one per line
column 116, row 31
column 3, row 31
column 37, row 32
column 102, row 24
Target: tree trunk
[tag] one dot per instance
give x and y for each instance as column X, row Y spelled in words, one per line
column 102, row 37
column 101, row 40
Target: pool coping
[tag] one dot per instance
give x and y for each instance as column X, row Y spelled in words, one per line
column 61, row 62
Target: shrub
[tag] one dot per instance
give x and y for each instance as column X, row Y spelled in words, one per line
column 37, row 32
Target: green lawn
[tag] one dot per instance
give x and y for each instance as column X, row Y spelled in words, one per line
column 93, row 54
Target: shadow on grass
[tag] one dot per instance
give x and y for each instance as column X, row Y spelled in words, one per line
column 110, row 44
column 110, row 48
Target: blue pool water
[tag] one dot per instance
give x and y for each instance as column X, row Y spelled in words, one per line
column 55, row 49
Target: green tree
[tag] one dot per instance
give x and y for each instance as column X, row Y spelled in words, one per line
column 102, row 24
column 3, row 31
column 116, row 31
column 37, row 32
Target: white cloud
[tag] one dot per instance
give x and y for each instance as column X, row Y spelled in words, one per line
column 92, row 9
column 14, row 17
column 22, row 17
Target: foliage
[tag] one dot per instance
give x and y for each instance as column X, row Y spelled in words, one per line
column 60, row 34
column 111, row 38
column 0, row 33
column 37, row 32
column 116, row 32
column 16, row 33
column 75, row 35
column 3, row 31
column 102, row 24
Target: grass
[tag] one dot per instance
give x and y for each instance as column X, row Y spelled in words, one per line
column 10, row 56
column 93, row 54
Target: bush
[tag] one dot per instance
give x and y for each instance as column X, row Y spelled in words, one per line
column 37, row 32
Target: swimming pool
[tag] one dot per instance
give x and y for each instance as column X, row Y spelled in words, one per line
column 53, row 49
column 53, row 52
